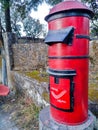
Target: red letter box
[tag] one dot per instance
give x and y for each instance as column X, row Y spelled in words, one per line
column 68, row 53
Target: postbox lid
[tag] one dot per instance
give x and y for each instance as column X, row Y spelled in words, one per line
column 70, row 5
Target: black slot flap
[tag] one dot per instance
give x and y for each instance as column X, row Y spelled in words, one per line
column 62, row 35
column 62, row 73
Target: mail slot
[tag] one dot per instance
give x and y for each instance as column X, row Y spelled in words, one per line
column 62, row 89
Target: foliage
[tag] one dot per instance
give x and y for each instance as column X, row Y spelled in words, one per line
column 20, row 10
column 93, row 4
column 53, row 2
column 32, row 27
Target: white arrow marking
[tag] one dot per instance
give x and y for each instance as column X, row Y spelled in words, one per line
column 59, row 95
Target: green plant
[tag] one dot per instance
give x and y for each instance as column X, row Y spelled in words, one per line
column 40, row 76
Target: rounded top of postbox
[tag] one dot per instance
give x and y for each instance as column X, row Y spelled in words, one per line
column 72, row 6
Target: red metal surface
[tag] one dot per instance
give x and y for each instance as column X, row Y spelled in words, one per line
column 79, row 47
column 4, row 90
column 60, row 93
column 80, row 113
column 69, row 5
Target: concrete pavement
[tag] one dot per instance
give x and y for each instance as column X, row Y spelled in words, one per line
column 5, row 121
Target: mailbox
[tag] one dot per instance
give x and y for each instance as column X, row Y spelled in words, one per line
column 68, row 60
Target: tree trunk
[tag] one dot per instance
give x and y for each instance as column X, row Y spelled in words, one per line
column 7, row 16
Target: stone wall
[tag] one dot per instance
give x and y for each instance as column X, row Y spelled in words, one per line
column 93, row 72
column 37, row 91
column 29, row 56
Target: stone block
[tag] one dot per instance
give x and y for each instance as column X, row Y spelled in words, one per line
column 47, row 123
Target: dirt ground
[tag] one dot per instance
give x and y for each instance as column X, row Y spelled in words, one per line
column 22, row 111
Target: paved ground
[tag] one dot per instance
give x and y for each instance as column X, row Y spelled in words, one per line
column 97, row 124
column 5, row 121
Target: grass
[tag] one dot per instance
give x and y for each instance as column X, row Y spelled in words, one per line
column 93, row 95
column 40, row 76
column 93, row 91
column 45, row 96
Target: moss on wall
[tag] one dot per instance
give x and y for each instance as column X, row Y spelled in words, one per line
column 40, row 76
column 45, row 96
column 93, row 95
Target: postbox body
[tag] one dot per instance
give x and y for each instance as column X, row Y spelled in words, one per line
column 68, row 53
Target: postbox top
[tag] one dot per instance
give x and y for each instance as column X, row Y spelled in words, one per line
column 70, row 5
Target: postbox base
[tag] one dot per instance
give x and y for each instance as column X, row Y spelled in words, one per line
column 47, row 123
